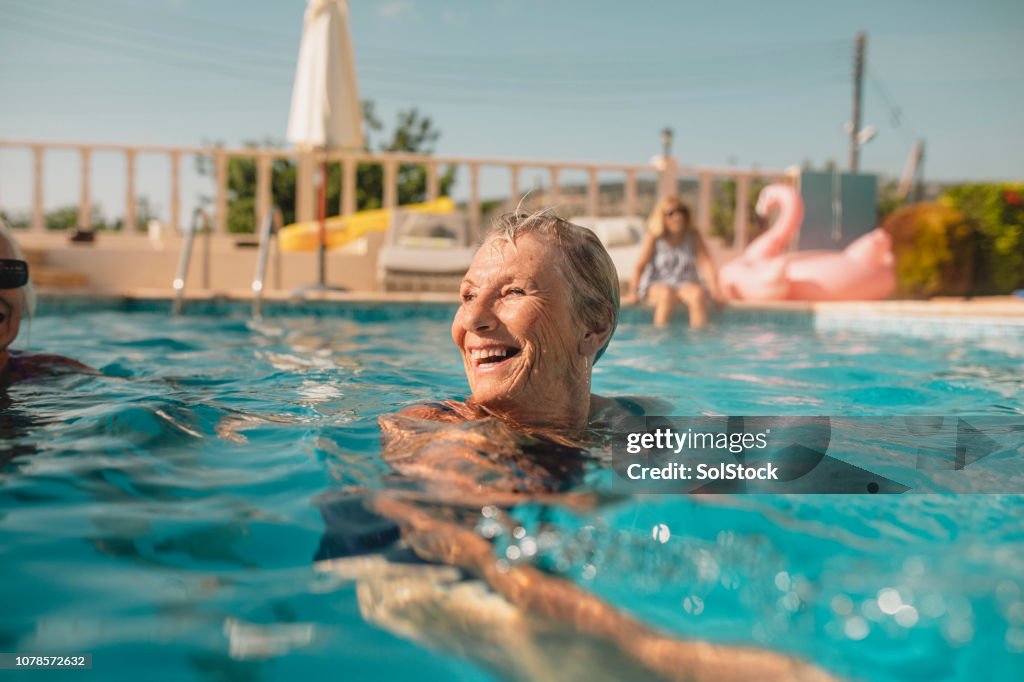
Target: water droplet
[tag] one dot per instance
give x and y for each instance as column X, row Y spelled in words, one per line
column 856, row 628
column 842, row 605
column 661, row 533
column 782, row 581
column 730, row 581
column 528, row 546
column 914, row 566
column 869, row 609
column 513, row 552
column 693, row 605
column 889, row 601
column 488, row 528
column 547, row 540
column 519, row 532
column 790, row 602
column 589, row 571
column 1015, row 640
column 959, row 632
column 906, row 616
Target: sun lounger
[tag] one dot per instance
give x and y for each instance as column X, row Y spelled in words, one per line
column 425, row 252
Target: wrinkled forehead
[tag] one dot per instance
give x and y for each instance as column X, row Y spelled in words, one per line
column 530, row 255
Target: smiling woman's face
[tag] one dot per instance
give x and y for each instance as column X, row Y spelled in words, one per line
column 521, row 343
column 11, row 301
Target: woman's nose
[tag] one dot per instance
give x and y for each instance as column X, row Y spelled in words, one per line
column 479, row 314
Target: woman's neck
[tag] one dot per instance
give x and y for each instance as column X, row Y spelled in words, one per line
column 569, row 412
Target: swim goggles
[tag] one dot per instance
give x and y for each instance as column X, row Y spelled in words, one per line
column 13, row 273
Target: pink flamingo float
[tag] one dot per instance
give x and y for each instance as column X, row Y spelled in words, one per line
column 864, row 270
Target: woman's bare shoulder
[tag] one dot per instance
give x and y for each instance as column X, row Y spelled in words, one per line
column 444, row 411
column 26, row 365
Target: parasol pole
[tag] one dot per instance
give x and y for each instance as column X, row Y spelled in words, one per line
column 322, row 232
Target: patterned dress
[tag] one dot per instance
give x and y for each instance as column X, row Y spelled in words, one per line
column 671, row 265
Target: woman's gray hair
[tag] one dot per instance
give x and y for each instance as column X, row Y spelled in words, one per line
column 28, row 294
column 588, row 269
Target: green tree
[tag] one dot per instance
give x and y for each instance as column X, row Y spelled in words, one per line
column 413, row 133
column 66, row 217
column 997, row 211
column 14, row 220
column 934, row 245
column 143, row 214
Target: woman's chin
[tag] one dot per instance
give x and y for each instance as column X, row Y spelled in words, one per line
column 488, row 397
column 498, row 399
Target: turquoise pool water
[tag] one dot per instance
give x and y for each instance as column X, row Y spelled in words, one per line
column 164, row 516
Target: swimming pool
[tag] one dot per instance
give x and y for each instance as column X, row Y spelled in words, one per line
column 164, row 516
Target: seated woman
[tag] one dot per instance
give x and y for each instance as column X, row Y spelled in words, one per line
column 539, row 305
column 16, row 299
column 674, row 266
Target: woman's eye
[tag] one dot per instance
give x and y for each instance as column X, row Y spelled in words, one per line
column 467, row 297
column 514, row 291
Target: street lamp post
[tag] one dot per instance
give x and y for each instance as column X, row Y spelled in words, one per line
column 666, row 164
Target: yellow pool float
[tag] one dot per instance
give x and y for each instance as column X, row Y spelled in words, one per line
column 343, row 229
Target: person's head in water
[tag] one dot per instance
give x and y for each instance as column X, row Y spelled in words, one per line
column 539, row 305
column 16, row 297
column 670, row 215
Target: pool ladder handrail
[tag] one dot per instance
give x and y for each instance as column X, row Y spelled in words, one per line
column 200, row 221
column 269, row 228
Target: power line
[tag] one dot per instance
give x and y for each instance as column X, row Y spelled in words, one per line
column 130, row 50
column 573, row 102
column 576, row 83
column 634, row 63
column 897, row 118
column 537, row 68
column 189, row 23
column 46, row 16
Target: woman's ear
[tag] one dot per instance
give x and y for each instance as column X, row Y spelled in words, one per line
column 594, row 339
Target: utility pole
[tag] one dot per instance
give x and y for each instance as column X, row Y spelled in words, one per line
column 913, row 173
column 858, row 82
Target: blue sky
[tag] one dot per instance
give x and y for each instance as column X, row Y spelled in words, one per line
column 741, row 83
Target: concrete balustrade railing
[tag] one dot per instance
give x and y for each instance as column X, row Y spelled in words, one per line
column 307, row 164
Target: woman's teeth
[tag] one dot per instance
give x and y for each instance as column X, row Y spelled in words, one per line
column 491, row 354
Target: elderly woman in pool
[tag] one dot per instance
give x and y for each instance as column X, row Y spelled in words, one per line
column 17, row 299
column 539, row 305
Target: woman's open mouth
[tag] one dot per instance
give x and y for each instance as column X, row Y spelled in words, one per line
column 492, row 357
